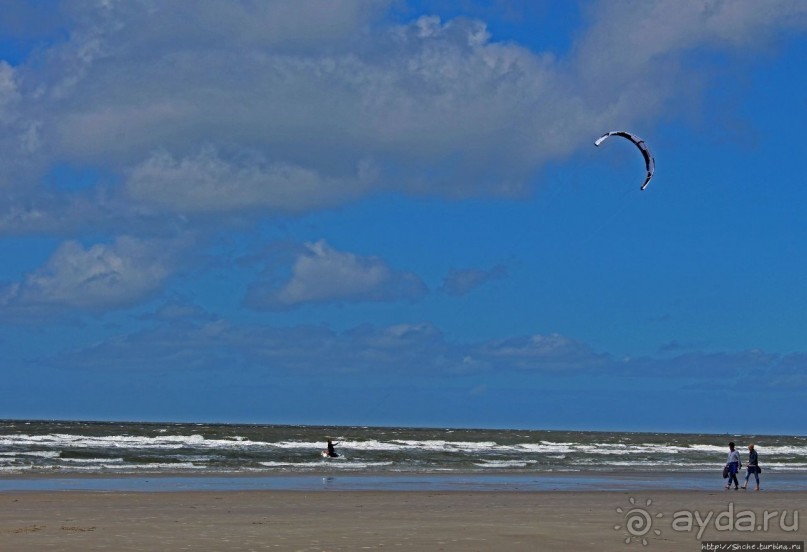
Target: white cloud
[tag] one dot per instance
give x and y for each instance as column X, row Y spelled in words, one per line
column 625, row 35
column 95, row 210
column 8, row 90
column 462, row 282
column 397, row 337
column 437, row 107
column 321, row 274
column 13, row 138
column 180, row 311
column 538, row 352
column 632, row 62
column 97, row 277
column 401, row 97
column 207, row 183
column 190, row 342
column 296, row 106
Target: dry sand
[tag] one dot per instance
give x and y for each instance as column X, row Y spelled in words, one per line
column 378, row 520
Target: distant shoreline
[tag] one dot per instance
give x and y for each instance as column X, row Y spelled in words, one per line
column 382, row 426
column 371, row 481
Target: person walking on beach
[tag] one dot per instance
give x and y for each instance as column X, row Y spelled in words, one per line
column 752, row 466
column 733, row 465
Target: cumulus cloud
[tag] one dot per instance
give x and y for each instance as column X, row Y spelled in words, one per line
column 207, row 183
column 321, row 274
column 92, row 211
column 537, row 352
column 700, row 364
column 401, row 349
column 100, row 276
column 300, row 350
column 187, row 341
column 179, row 310
column 9, row 124
column 8, row 90
column 462, row 282
column 689, row 23
column 305, row 105
column 405, row 97
column 629, row 62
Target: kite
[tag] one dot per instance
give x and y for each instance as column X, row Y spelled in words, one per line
column 650, row 163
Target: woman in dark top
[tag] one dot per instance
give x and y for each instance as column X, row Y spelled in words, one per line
column 752, row 466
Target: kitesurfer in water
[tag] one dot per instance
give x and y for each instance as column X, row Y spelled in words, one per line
column 331, row 450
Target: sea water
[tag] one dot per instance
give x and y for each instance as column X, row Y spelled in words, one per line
column 68, row 448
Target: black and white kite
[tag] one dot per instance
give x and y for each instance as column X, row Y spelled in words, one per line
column 650, row 163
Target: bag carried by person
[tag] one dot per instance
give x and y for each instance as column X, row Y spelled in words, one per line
column 725, row 472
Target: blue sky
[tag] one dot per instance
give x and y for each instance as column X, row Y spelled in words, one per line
column 392, row 213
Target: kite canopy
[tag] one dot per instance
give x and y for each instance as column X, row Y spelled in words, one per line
column 650, row 163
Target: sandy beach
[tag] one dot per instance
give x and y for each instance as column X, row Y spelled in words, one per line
column 391, row 520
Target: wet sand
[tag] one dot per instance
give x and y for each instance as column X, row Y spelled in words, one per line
column 386, row 520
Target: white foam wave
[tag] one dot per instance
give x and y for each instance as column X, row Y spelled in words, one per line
column 546, row 448
column 707, row 448
column 155, row 466
column 297, row 445
column 325, row 463
column 95, row 461
column 62, row 440
column 504, row 463
column 439, row 445
column 117, row 467
column 32, row 453
column 785, row 466
column 194, row 451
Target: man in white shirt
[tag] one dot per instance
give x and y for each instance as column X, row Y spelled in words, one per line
column 733, row 464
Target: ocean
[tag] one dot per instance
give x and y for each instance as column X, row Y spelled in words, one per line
column 69, row 448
